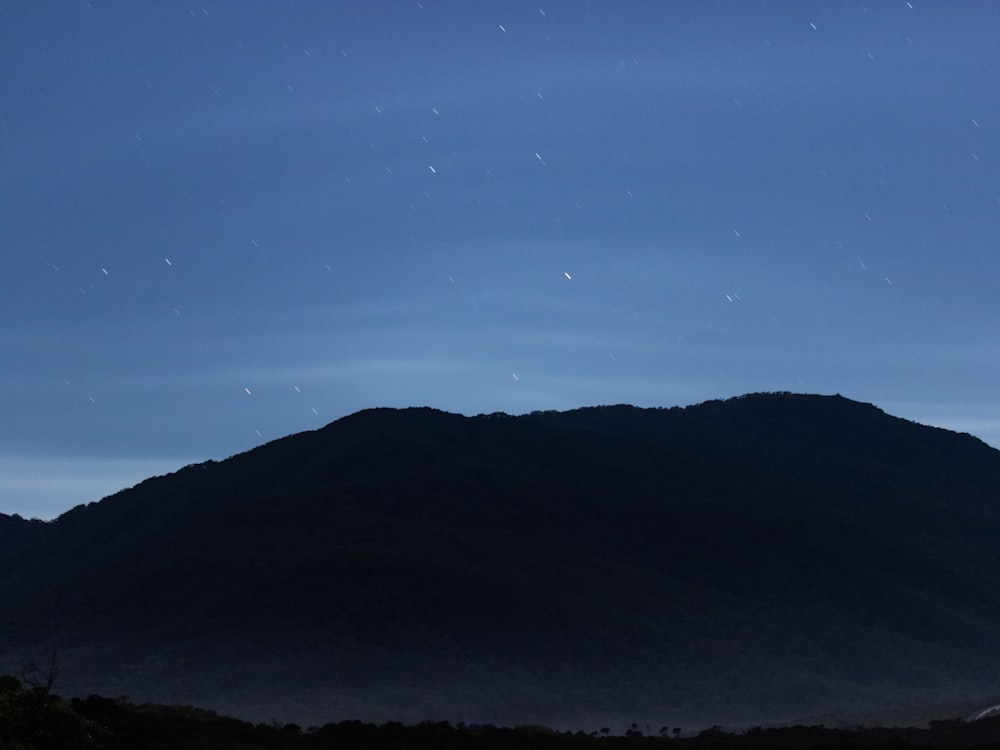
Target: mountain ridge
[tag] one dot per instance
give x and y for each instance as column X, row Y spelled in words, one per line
column 772, row 555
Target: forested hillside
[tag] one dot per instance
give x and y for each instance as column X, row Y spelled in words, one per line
column 763, row 558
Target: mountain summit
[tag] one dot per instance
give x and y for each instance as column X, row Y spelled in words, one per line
column 757, row 559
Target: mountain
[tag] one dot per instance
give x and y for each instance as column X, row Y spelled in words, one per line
column 757, row 559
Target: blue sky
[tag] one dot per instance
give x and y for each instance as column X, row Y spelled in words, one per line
column 225, row 222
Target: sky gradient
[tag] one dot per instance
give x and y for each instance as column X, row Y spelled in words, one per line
column 225, row 222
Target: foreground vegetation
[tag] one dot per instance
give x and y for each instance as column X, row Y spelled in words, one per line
column 34, row 718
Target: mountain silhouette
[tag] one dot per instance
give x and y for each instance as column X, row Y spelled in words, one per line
column 756, row 559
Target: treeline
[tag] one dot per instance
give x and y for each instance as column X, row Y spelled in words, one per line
column 32, row 717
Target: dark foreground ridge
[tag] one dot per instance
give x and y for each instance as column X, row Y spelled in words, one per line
column 756, row 560
column 32, row 718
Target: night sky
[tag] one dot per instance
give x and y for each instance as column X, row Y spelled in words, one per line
column 225, row 222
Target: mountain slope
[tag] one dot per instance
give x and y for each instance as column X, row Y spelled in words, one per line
column 742, row 560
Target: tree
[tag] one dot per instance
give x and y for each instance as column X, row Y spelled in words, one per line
column 38, row 678
column 33, row 718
